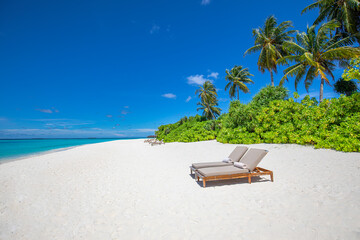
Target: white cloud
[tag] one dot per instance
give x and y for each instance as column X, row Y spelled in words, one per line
column 3, row 119
column 143, row 130
column 44, row 110
column 124, row 112
column 49, row 119
column 62, row 123
column 126, row 106
column 205, row 2
column 213, row 75
column 52, row 110
column 119, row 135
column 169, row 95
column 154, row 29
column 109, row 116
column 197, row 79
column 65, row 132
column 188, row 99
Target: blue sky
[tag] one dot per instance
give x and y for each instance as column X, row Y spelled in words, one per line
column 122, row 68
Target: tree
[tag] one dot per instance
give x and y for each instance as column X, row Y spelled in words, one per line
column 345, row 87
column 237, row 78
column 269, row 41
column 316, row 53
column 347, row 12
column 208, row 100
column 353, row 71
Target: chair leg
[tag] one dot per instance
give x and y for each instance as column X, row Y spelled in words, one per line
column 204, row 183
column 249, row 178
column 190, row 171
column 272, row 176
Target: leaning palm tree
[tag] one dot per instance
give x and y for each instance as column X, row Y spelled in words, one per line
column 316, row 53
column 269, row 41
column 237, row 78
column 208, row 100
column 347, row 12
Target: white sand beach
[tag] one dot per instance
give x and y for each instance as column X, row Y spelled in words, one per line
column 128, row 189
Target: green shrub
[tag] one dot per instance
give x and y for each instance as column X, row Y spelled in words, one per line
column 269, row 94
column 332, row 124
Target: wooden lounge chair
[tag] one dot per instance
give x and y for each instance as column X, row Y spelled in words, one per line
column 252, row 158
column 235, row 156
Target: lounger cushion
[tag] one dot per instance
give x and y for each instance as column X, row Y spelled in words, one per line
column 238, row 152
column 236, row 155
column 217, row 171
column 253, row 158
column 210, row 164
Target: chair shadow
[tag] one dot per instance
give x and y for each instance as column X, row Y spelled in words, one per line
column 218, row 183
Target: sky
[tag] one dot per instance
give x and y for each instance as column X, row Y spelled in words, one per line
column 119, row 69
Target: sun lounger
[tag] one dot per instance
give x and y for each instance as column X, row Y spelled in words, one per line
column 235, row 156
column 252, row 158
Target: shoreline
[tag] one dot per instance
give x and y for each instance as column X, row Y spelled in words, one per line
column 36, row 154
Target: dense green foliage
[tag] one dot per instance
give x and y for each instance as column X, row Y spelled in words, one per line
column 331, row 124
column 353, row 71
column 345, row 87
column 190, row 129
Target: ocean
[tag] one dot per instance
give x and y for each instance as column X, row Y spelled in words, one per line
column 17, row 148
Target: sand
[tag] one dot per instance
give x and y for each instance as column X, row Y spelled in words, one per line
column 128, row 189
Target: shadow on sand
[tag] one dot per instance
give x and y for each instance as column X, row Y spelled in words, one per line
column 219, row 183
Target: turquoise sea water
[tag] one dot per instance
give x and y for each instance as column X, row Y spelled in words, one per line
column 15, row 148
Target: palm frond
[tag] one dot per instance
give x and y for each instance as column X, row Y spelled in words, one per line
column 253, row 49
column 310, row 7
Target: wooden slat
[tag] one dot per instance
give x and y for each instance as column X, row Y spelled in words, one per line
column 257, row 172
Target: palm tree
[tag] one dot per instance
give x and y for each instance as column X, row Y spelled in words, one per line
column 206, row 92
column 269, row 41
column 237, row 78
column 316, row 53
column 347, row 12
column 208, row 100
column 209, row 112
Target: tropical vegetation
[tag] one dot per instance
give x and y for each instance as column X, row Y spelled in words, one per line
column 353, row 71
column 269, row 41
column 331, row 124
column 345, row 87
column 208, row 100
column 237, row 78
column 316, row 53
column 346, row 12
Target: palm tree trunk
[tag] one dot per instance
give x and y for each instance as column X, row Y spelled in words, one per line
column 321, row 90
column 272, row 77
column 238, row 93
